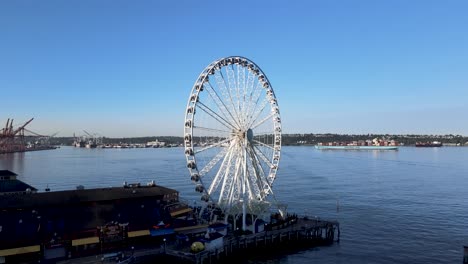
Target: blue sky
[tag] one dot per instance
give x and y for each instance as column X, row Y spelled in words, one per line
column 126, row 68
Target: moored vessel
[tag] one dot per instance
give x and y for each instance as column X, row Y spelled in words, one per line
column 429, row 144
column 375, row 144
column 322, row 147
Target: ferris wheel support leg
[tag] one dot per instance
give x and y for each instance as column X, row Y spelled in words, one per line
column 244, row 211
column 244, row 207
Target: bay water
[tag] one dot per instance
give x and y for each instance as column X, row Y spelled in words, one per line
column 405, row 206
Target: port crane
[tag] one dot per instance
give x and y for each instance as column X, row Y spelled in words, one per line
column 94, row 139
column 39, row 139
column 12, row 140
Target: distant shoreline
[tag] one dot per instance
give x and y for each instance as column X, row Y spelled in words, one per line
column 294, row 139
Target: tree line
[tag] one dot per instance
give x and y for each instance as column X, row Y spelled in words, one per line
column 291, row 139
column 410, row 139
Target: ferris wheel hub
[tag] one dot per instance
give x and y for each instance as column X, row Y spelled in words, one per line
column 249, row 134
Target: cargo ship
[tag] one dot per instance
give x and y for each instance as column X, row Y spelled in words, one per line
column 428, row 144
column 323, row 147
column 55, row 225
column 375, row 144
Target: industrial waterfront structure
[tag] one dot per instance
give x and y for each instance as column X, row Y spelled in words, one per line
column 68, row 224
column 12, row 139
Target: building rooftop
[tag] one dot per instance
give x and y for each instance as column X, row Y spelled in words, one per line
column 7, row 173
column 69, row 197
column 9, row 184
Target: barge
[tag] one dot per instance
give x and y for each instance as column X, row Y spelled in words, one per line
column 374, row 144
column 323, row 147
column 434, row 144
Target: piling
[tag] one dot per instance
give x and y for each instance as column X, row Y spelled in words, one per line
column 465, row 254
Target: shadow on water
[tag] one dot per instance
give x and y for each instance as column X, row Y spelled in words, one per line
column 13, row 162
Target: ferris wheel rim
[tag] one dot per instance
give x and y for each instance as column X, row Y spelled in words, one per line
column 193, row 102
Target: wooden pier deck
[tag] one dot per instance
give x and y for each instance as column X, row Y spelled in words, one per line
column 286, row 236
column 299, row 233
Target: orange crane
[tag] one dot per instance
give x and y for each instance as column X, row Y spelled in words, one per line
column 13, row 140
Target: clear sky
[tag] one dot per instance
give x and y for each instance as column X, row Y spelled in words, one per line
column 126, row 68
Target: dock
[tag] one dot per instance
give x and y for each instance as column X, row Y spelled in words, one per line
column 285, row 237
column 299, row 234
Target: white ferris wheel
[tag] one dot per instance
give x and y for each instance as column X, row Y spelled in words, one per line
column 232, row 136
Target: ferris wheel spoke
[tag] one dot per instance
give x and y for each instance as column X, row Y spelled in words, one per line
column 209, row 166
column 226, row 188
column 265, row 184
column 211, row 129
column 220, row 103
column 242, row 91
column 232, row 186
column 262, row 121
column 227, row 180
column 243, row 83
column 221, row 173
column 263, row 144
column 236, row 187
column 222, row 84
column 249, row 87
column 228, row 185
column 260, row 175
column 234, row 88
column 259, row 171
column 225, row 94
column 250, row 186
column 238, row 88
column 228, row 177
column 253, row 103
column 263, row 134
column 215, row 116
column 255, row 173
column 263, row 156
column 257, row 114
column 217, row 144
column 254, row 184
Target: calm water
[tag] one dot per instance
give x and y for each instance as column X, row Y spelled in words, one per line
column 406, row 206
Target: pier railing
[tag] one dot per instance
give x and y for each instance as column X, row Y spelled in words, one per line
column 303, row 232
column 286, row 235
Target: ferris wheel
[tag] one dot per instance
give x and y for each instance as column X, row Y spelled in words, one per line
column 232, row 136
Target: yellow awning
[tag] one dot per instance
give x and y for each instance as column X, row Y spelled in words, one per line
column 138, row 233
column 182, row 211
column 85, row 241
column 20, row 250
column 180, row 229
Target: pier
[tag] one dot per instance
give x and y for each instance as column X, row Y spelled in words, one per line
column 296, row 234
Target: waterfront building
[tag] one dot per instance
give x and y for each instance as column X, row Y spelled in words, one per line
column 65, row 224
